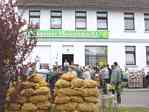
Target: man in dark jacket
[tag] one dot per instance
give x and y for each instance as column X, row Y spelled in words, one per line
column 52, row 78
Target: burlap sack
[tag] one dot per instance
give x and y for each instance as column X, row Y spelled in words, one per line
column 66, row 107
column 42, row 110
column 43, row 83
column 84, row 107
column 27, row 92
column 93, row 92
column 77, row 83
column 59, row 108
column 39, row 98
column 71, row 106
column 90, row 84
column 42, row 91
column 36, row 78
column 12, row 111
column 91, row 99
column 14, row 106
column 27, row 84
column 68, row 92
column 10, row 91
column 43, row 106
column 80, row 91
column 20, row 99
column 90, row 92
column 68, row 76
column 28, row 107
column 88, row 107
column 62, row 99
column 76, row 99
column 8, row 99
column 62, row 84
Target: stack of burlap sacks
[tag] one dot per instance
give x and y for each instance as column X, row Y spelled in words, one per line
column 76, row 95
column 31, row 95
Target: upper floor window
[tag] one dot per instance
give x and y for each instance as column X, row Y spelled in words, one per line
column 129, row 21
column 147, row 55
column 102, row 20
column 146, row 21
column 34, row 18
column 81, row 20
column 56, row 19
column 130, row 55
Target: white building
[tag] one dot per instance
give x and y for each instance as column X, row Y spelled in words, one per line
column 90, row 31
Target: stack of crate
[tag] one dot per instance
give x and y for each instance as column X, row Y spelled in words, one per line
column 135, row 80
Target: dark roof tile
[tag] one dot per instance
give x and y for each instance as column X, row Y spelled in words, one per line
column 138, row 4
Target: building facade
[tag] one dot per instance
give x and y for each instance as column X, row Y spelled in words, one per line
column 90, row 34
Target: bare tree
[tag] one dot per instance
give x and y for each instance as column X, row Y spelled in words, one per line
column 14, row 45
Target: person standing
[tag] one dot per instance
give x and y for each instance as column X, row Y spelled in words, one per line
column 66, row 65
column 110, row 71
column 52, row 78
column 86, row 74
column 116, row 80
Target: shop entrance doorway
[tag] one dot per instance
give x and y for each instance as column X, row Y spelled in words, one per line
column 68, row 57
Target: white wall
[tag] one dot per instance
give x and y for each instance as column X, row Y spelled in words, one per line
column 52, row 52
column 91, row 20
column 115, row 22
column 68, row 19
column 141, row 55
column 116, row 50
column 43, row 52
column 56, row 54
column 45, row 19
column 79, row 56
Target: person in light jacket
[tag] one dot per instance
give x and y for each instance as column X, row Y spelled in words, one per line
column 116, row 80
column 86, row 74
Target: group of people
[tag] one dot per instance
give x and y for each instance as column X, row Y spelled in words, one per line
column 23, row 71
column 103, row 74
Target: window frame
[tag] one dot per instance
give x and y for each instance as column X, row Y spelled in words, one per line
column 80, row 17
column 59, row 17
column 34, row 16
column 96, row 56
column 147, row 54
column 146, row 19
column 131, row 52
column 129, row 18
column 102, row 18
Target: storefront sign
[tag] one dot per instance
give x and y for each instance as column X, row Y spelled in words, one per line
column 70, row 34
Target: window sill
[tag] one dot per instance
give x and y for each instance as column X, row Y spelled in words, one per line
column 80, row 28
column 147, row 31
column 131, row 66
column 130, row 31
column 102, row 29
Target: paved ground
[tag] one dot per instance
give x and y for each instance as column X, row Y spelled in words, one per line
column 135, row 97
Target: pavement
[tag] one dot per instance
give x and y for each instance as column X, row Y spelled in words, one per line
column 135, row 97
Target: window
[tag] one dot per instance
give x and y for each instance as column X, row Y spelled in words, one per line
column 147, row 55
column 129, row 21
column 130, row 55
column 34, row 19
column 102, row 20
column 146, row 21
column 56, row 19
column 95, row 55
column 80, row 19
column 44, row 66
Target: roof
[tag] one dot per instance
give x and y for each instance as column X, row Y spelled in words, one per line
column 132, row 4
